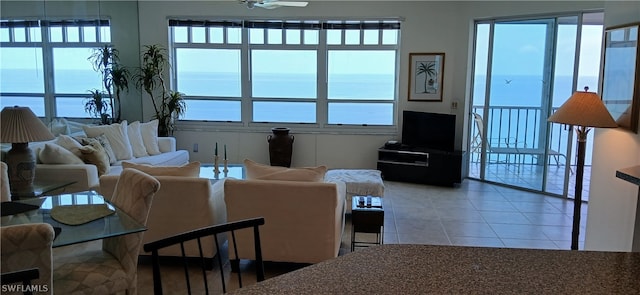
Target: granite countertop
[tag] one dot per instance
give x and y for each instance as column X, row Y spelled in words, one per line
column 630, row 174
column 419, row 269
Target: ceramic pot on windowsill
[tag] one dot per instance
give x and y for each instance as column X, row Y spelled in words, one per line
column 280, row 146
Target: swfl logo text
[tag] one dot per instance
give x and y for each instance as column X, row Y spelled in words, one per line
column 24, row 288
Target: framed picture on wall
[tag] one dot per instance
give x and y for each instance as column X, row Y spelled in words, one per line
column 621, row 75
column 426, row 72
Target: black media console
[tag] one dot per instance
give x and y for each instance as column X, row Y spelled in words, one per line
column 421, row 165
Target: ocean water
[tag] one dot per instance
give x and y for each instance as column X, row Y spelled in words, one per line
column 521, row 93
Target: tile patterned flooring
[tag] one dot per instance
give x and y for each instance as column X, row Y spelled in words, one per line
column 477, row 214
column 472, row 214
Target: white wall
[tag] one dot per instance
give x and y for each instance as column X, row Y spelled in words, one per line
column 612, row 201
column 429, row 26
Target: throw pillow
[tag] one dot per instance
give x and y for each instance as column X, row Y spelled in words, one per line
column 104, row 142
column 256, row 170
column 149, row 133
column 52, row 153
column 59, row 126
column 95, row 154
column 189, row 170
column 118, row 138
column 69, row 143
column 135, row 138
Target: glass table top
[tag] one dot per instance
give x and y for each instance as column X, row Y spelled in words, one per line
column 234, row 170
column 112, row 225
column 39, row 188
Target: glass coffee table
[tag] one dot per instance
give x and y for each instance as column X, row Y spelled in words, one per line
column 233, row 170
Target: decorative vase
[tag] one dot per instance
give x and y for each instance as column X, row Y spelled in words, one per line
column 280, row 147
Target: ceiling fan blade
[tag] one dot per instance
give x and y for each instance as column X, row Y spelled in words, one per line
column 276, row 4
column 291, row 3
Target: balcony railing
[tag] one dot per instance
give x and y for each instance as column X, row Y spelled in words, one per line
column 523, row 127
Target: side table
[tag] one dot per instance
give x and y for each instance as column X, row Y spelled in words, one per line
column 367, row 216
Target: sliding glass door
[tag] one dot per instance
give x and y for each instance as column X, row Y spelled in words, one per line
column 523, row 70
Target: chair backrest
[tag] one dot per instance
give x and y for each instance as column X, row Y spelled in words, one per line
column 5, row 190
column 215, row 230
column 479, row 124
column 28, row 246
column 133, row 194
column 21, row 276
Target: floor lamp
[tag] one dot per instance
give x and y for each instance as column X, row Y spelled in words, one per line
column 583, row 109
column 19, row 127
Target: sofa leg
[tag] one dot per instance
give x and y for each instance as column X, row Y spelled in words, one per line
column 235, row 265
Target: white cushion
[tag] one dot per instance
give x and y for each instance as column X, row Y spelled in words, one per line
column 118, row 138
column 149, row 133
column 135, row 138
column 69, row 143
column 59, row 126
column 52, row 153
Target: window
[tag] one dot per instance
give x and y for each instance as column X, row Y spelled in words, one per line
column 287, row 71
column 29, row 49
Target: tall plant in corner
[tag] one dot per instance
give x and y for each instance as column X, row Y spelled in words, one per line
column 115, row 77
column 168, row 105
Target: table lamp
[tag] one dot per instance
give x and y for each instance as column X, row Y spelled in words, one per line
column 583, row 109
column 19, row 127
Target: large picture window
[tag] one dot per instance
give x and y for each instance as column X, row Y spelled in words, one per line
column 321, row 72
column 30, row 48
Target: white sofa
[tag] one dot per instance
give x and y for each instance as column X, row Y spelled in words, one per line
column 86, row 175
column 304, row 221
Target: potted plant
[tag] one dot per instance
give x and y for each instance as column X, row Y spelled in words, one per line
column 97, row 106
column 115, row 77
column 168, row 105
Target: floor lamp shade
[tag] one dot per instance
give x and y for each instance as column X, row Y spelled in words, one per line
column 583, row 110
column 19, row 127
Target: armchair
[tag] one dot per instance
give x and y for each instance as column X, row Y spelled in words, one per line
column 304, row 220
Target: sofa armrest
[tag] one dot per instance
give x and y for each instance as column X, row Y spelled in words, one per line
column 167, row 144
column 84, row 175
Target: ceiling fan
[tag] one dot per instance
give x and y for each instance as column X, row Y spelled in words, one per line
column 271, row 4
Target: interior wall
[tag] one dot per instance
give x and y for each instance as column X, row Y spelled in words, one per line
column 612, row 201
column 429, row 26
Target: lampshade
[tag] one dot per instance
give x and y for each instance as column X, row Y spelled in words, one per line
column 20, row 124
column 586, row 109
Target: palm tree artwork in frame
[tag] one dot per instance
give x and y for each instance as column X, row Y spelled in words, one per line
column 426, row 71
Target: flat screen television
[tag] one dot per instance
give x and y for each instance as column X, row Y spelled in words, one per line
column 429, row 130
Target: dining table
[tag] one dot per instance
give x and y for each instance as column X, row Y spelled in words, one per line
column 434, row 269
column 76, row 217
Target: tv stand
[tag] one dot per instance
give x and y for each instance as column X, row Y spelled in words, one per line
column 421, row 165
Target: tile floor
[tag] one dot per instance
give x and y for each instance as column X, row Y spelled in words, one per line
column 473, row 214
column 477, row 214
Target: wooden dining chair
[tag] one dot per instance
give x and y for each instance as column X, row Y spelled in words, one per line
column 28, row 246
column 229, row 228
column 112, row 269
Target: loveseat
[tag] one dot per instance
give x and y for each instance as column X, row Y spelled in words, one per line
column 184, row 202
column 304, row 219
column 135, row 142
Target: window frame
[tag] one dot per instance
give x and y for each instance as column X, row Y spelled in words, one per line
column 321, row 100
column 47, row 46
